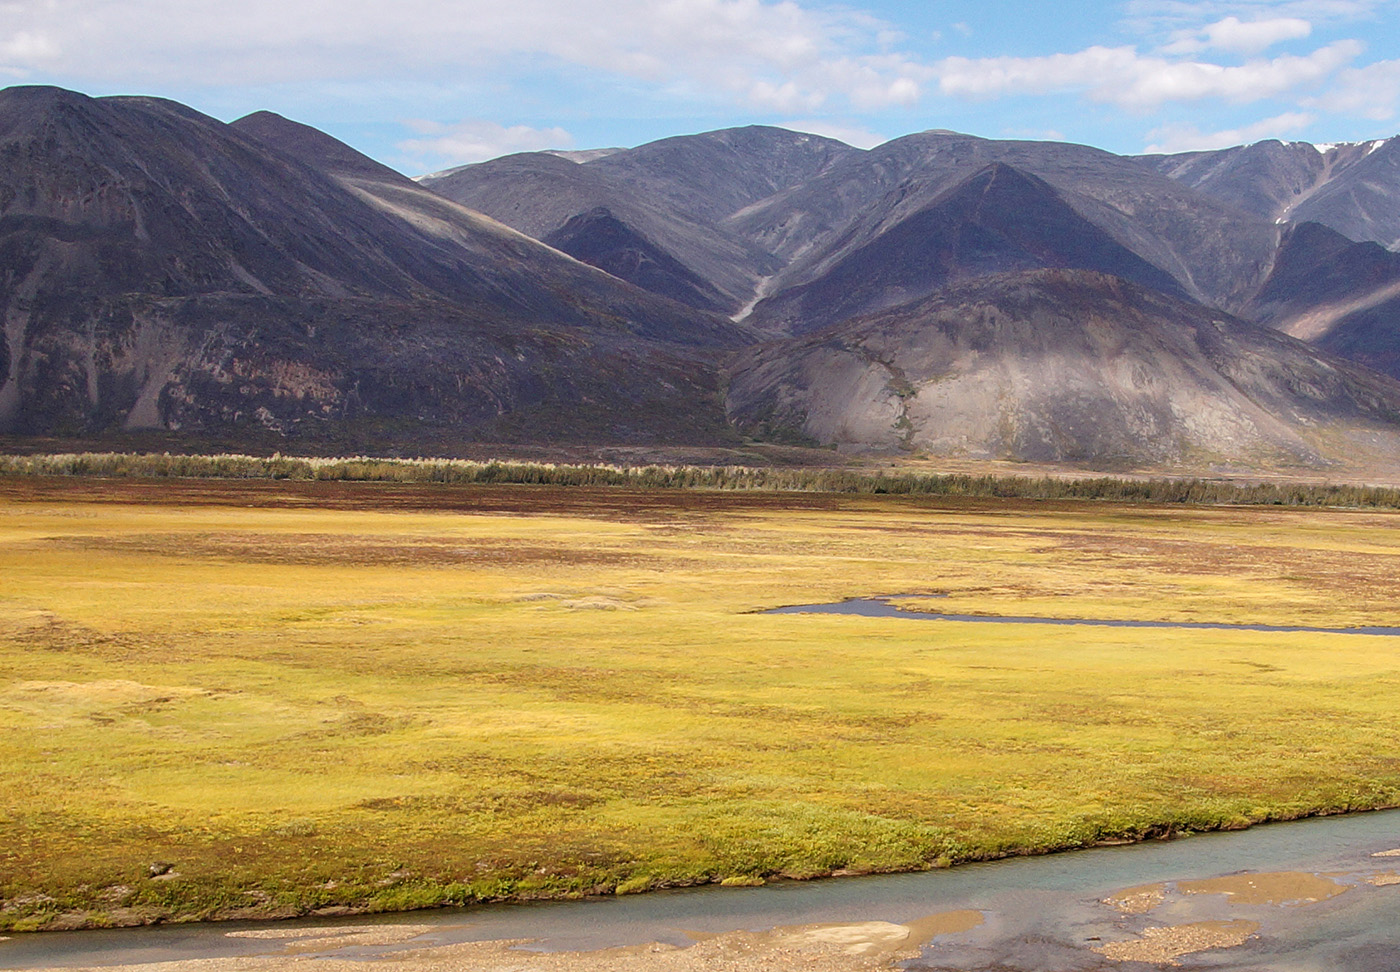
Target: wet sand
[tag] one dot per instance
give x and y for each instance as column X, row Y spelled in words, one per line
column 1164, row 945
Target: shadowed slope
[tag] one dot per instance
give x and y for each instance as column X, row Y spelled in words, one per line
column 601, row 240
column 1337, row 294
column 538, row 193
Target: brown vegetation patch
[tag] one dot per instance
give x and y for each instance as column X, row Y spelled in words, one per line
column 623, row 504
column 361, row 550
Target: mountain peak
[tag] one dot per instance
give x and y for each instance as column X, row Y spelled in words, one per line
column 312, row 146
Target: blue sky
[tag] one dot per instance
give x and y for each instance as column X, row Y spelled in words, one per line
column 425, row 84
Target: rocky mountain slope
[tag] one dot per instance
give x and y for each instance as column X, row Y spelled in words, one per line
column 1066, row 365
column 164, row 270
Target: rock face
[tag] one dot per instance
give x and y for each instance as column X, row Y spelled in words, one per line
column 1055, row 365
column 166, row 271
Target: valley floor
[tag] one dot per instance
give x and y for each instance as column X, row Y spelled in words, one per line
column 224, row 699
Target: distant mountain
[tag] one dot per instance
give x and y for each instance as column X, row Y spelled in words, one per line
column 1058, row 365
column 167, row 271
column 1352, row 187
column 262, row 281
column 997, row 219
column 755, row 212
column 674, row 192
column 1217, row 254
column 714, row 175
column 537, row 193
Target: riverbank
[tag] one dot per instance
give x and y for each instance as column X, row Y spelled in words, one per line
column 1318, row 893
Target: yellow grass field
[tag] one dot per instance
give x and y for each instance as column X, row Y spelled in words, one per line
column 292, row 697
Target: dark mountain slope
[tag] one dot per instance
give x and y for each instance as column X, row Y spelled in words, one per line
column 996, row 220
column 165, row 270
column 1217, row 253
column 442, row 232
column 1066, row 365
column 1320, row 277
column 311, row 145
column 601, row 240
column 1336, row 294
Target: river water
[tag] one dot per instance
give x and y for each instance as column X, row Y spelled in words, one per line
column 1039, row 914
column 880, row 607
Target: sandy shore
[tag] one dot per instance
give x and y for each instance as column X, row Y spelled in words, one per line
column 851, row 947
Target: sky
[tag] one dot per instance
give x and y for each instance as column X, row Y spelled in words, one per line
column 423, row 85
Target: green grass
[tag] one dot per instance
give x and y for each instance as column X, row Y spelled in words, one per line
column 306, row 695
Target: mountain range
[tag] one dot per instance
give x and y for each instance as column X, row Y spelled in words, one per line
column 940, row 294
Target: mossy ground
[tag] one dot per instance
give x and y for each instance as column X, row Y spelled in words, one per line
column 309, row 695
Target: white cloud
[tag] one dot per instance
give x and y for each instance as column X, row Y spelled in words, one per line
column 850, row 133
column 475, row 141
column 1123, row 76
column 1187, row 138
column 25, row 50
column 773, row 54
column 1240, row 36
column 1173, row 17
column 1372, row 91
column 795, row 58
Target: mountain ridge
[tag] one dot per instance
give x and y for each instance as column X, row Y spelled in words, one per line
column 942, row 293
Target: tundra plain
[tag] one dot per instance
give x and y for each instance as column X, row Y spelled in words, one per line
column 259, row 699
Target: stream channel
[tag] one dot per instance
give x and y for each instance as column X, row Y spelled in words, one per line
column 880, row 607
